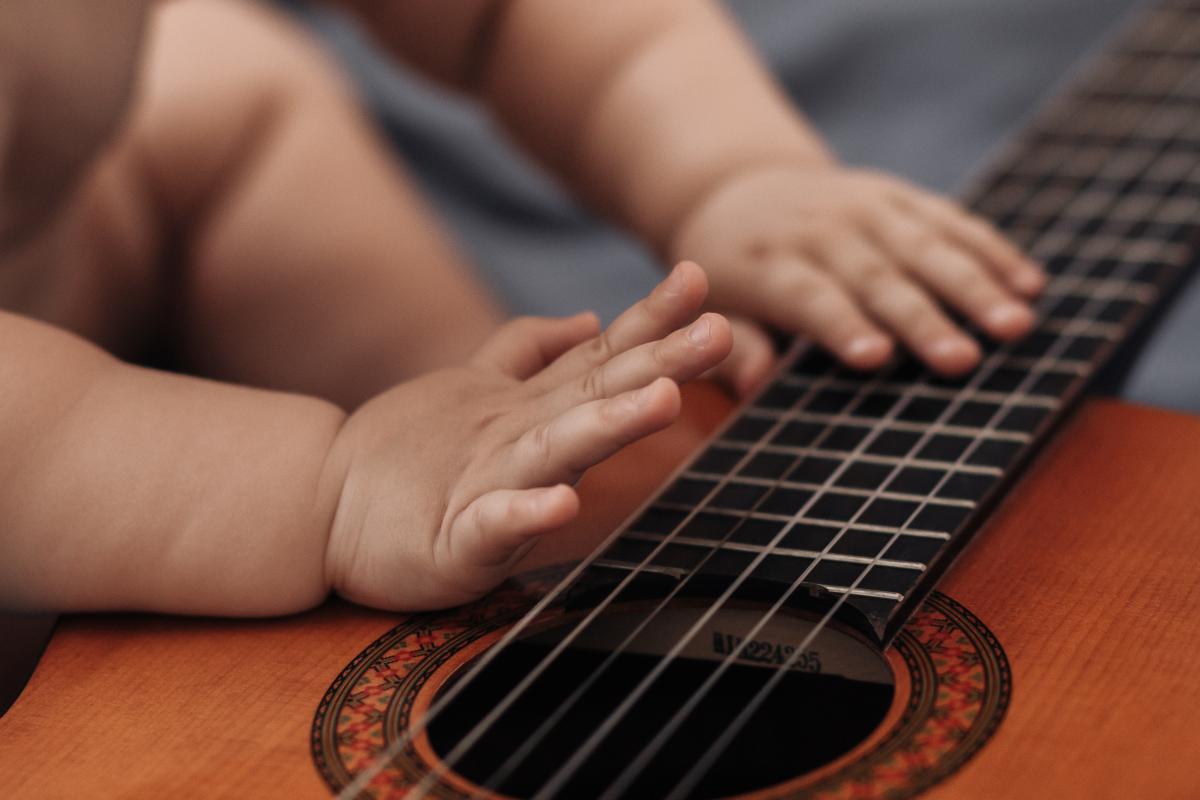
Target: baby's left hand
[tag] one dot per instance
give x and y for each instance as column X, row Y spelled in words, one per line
column 447, row 480
column 853, row 259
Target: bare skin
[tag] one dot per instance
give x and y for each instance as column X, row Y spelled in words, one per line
column 132, row 489
column 216, row 196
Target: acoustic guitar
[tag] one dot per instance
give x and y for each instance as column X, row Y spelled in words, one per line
column 766, row 625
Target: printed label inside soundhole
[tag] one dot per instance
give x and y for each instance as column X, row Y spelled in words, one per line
column 835, row 651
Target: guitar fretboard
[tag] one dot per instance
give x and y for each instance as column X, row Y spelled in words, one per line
column 868, row 485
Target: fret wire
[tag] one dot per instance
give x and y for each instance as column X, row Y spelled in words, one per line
column 823, row 523
column 1061, row 367
column 840, row 489
column 800, row 517
column 871, row 458
column 1103, row 330
column 791, row 552
column 834, row 420
column 862, row 592
column 678, row 573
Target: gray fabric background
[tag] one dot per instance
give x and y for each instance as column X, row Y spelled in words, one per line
column 923, row 88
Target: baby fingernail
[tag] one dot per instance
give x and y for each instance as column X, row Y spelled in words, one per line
column 1009, row 315
column 643, row 396
column 1032, row 280
column 700, row 331
column 869, row 346
column 674, row 281
column 954, row 349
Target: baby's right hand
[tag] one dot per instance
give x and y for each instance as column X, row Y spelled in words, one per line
column 448, row 479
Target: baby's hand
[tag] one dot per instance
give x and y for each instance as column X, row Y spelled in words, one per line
column 450, row 478
column 852, row 259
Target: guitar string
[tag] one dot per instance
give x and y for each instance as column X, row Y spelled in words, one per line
column 714, row 751
column 506, row 769
column 480, row 728
column 567, row 768
column 568, row 703
column 496, row 779
column 629, row 774
column 561, row 710
column 363, row 778
column 709, row 758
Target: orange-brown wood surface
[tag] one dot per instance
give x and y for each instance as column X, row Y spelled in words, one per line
column 1089, row 575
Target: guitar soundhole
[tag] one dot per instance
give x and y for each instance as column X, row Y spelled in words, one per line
column 833, row 697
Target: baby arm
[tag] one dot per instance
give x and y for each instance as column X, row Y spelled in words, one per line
column 659, row 113
column 125, row 488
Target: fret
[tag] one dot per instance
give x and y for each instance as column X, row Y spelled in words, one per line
column 832, row 521
column 863, row 543
column 819, row 455
column 1106, row 288
column 770, row 568
column 842, row 484
column 804, row 427
column 812, row 534
column 887, row 392
column 830, row 477
column 1017, row 358
column 820, row 505
column 925, row 400
column 1023, row 201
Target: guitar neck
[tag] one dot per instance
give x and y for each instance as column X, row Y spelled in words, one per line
column 867, row 486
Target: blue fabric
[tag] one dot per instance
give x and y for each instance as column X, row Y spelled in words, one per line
column 923, row 88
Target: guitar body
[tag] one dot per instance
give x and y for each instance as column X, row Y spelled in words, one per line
column 1068, row 674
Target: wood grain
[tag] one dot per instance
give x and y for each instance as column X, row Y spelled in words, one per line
column 1090, row 576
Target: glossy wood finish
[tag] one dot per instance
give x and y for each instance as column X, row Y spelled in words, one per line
column 1101, row 627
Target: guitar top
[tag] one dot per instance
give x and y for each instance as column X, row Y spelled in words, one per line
column 765, row 624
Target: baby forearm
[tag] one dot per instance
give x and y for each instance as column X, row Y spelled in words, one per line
column 640, row 105
column 672, row 101
column 124, row 488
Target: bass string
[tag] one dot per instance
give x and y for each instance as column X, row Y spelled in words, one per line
column 714, row 751
column 580, row 755
column 710, row 756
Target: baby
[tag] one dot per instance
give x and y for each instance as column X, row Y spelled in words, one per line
column 191, row 186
